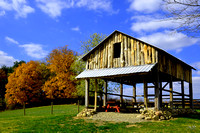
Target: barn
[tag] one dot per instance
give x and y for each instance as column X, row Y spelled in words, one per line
column 126, row 60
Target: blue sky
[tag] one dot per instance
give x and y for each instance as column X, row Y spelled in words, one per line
column 30, row 29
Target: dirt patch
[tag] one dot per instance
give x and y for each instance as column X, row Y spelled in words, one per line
column 117, row 117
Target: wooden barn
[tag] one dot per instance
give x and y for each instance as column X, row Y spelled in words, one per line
column 126, row 60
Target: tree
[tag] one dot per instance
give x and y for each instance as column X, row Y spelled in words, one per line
column 94, row 40
column 3, row 82
column 60, row 84
column 186, row 12
column 24, row 84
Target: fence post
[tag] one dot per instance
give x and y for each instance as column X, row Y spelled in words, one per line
column 24, row 109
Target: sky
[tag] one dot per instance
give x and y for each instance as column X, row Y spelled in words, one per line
column 31, row 29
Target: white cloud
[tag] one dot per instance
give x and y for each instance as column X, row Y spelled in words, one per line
column 34, row 50
column 11, row 40
column 19, row 6
column 145, row 6
column 196, row 87
column 146, row 23
column 6, row 60
column 75, row 28
column 54, row 7
column 168, row 40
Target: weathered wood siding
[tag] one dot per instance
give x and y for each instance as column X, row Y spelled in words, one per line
column 174, row 67
column 133, row 52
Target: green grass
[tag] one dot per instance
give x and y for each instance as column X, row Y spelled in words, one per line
column 40, row 120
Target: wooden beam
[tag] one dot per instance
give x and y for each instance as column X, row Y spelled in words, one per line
column 87, row 82
column 182, row 91
column 191, row 95
column 134, row 93
column 171, row 94
column 145, row 93
column 105, row 92
column 157, row 94
column 95, row 95
column 121, row 94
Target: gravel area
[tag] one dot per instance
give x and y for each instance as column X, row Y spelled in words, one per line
column 117, row 117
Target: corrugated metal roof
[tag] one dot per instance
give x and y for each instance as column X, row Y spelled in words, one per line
column 107, row 72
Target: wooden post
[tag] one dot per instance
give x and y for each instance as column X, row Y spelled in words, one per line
column 160, row 98
column 182, row 91
column 87, row 82
column 191, row 96
column 145, row 93
column 134, row 92
column 95, row 95
column 52, row 107
column 121, row 93
column 171, row 94
column 105, row 93
column 157, row 94
column 24, row 107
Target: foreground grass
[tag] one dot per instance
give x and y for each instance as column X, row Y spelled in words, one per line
column 40, row 120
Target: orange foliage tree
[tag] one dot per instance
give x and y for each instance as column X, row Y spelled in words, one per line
column 60, row 84
column 25, row 84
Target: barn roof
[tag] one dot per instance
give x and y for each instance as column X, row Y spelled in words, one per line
column 84, row 57
column 111, row 72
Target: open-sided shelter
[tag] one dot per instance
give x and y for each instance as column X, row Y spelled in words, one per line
column 126, row 60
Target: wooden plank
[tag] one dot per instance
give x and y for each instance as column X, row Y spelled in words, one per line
column 126, row 50
column 138, row 53
column 122, row 53
column 182, row 91
column 145, row 54
column 160, row 97
column 135, row 51
column 111, row 53
column 191, row 95
column 129, row 52
column 132, row 53
column 142, row 53
column 153, row 55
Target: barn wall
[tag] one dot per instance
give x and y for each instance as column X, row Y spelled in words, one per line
column 133, row 52
column 174, row 67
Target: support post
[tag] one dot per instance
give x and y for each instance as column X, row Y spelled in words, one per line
column 191, row 96
column 160, row 98
column 95, row 95
column 145, row 93
column 171, row 94
column 87, row 82
column 105, row 93
column 134, row 92
column 24, row 107
column 182, row 91
column 157, row 94
column 121, row 93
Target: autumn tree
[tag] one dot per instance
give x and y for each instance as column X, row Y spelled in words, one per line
column 60, row 84
column 186, row 12
column 3, row 82
column 24, row 84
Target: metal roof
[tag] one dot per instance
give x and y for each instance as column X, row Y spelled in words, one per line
column 108, row 72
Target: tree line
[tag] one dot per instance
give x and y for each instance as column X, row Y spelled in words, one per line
column 54, row 78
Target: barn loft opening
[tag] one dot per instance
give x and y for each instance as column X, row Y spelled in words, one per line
column 117, row 50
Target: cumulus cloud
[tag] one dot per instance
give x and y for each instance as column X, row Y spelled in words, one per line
column 5, row 59
column 2, row 13
column 196, row 65
column 148, row 24
column 54, row 7
column 11, row 40
column 21, row 7
column 168, row 40
column 34, row 50
column 146, row 6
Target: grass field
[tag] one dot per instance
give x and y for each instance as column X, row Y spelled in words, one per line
column 39, row 119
